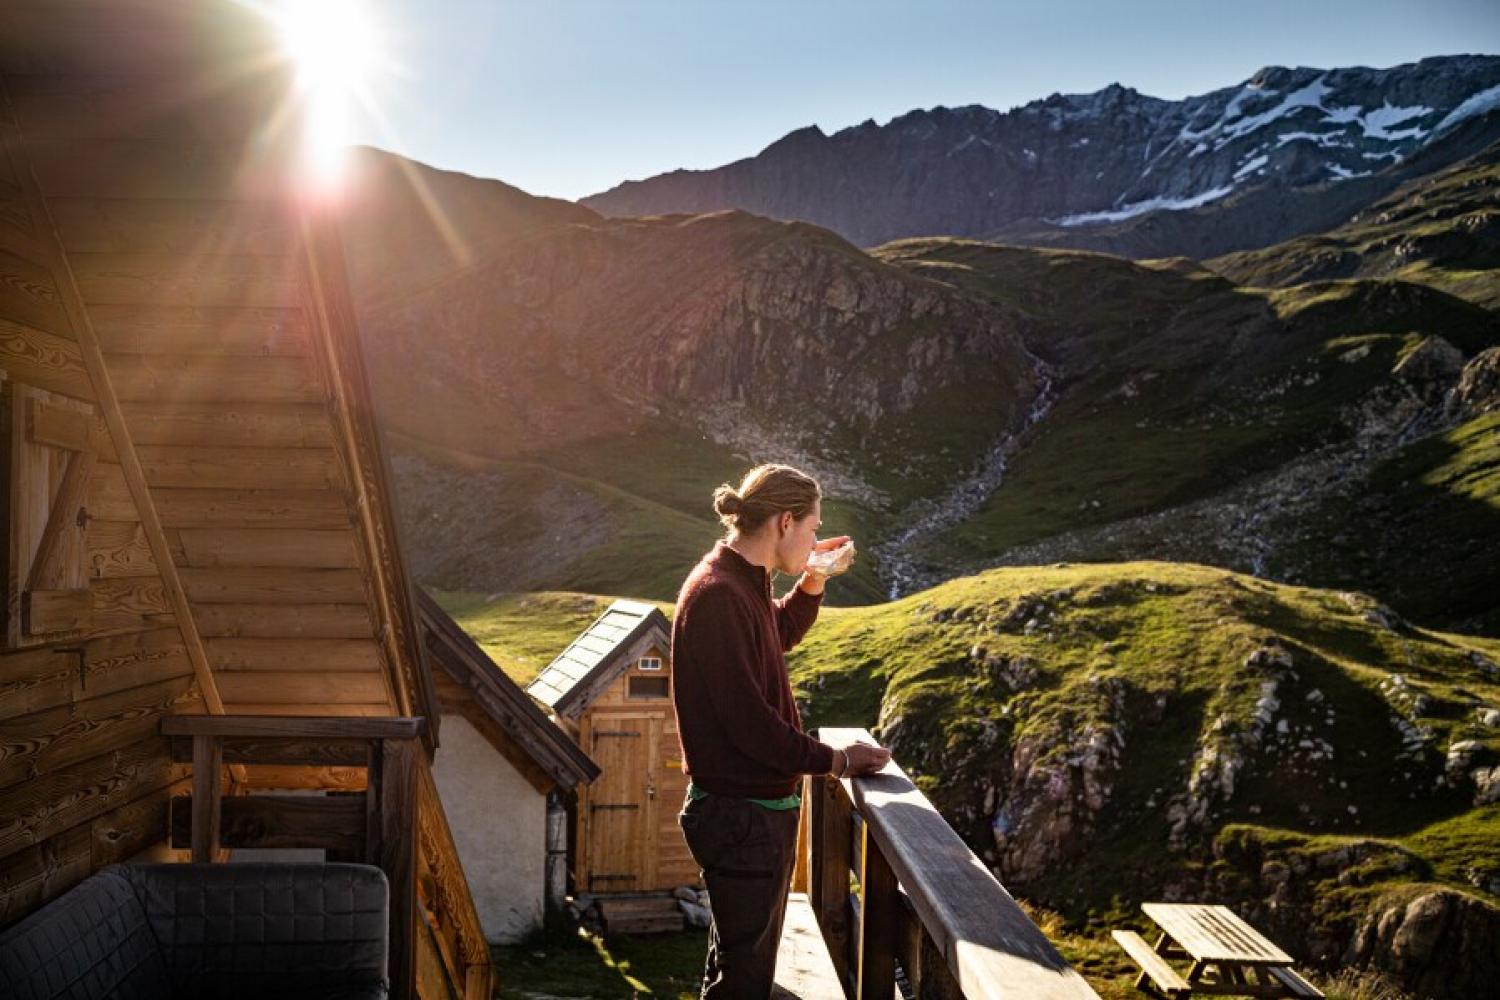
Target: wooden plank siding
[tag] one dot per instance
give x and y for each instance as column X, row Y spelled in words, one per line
column 238, row 549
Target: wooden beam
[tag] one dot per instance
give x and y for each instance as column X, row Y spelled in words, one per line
column 333, row 822
column 118, row 549
column 282, row 687
column 268, row 585
column 201, row 379
column 879, row 916
column 336, row 341
column 47, row 612
column 281, row 752
column 207, row 761
column 289, row 548
column 115, row 663
column 226, row 425
column 287, row 621
column 36, row 810
column 93, row 362
column 240, row 468
column 221, row 280
column 830, row 826
column 332, row 656
column 282, row 727
column 59, row 426
column 398, row 859
column 192, row 508
column 35, row 679
column 44, row 360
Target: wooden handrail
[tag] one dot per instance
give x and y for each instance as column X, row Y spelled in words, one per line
column 399, row 825
column 924, row 898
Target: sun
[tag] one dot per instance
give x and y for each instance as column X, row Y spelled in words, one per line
column 335, row 47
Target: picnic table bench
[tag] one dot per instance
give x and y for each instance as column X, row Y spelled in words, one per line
column 1229, row 957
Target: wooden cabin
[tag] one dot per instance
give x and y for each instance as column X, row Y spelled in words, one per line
column 197, row 513
column 611, row 689
column 501, row 755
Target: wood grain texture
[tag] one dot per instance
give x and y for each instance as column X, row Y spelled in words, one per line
column 118, row 662
column 241, row 425
column 334, row 656
column 132, row 603
column 205, row 508
column 283, row 621
column 292, row 688
column 33, row 811
column 29, row 295
column 35, row 679
column 189, row 227
column 162, row 328
column 333, row 823
column 287, row 548
column 226, row 280
column 45, row 360
column 117, row 548
column 43, row 742
column 240, row 468
column 257, row 585
column 158, row 378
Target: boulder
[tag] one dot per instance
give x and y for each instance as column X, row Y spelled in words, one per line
column 1440, row 943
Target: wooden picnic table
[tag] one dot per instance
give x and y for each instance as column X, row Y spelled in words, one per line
column 1228, row 956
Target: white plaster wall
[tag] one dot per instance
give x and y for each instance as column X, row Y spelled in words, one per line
column 499, row 822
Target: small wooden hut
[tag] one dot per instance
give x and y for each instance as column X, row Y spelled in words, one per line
column 611, row 689
column 501, row 756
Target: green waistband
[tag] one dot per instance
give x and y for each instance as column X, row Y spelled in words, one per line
column 792, row 801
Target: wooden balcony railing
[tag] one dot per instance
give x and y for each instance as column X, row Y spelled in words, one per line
column 396, row 821
column 924, row 900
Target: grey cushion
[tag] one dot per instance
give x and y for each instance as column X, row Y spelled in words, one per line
column 92, row 942
column 219, row 932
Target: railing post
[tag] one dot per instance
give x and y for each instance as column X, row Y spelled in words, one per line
column 829, row 826
column 879, row 916
column 208, row 755
column 398, row 857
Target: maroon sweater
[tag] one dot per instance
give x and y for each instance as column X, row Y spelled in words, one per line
column 740, row 731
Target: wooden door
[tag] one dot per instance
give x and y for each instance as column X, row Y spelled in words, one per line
column 621, row 817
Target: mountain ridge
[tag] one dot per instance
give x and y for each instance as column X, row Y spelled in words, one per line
column 976, row 172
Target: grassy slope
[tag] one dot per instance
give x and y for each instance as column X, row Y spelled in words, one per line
column 1195, row 386
column 1439, row 496
column 1178, row 633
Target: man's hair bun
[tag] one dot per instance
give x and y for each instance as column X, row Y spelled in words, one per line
column 727, row 503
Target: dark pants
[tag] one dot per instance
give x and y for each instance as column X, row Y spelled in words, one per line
column 746, row 852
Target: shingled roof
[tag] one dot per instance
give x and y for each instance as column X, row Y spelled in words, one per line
column 624, row 632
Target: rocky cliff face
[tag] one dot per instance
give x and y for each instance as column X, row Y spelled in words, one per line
column 582, row 326
column 1070, row 169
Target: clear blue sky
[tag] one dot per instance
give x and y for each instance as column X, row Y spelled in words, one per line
column 569, row 97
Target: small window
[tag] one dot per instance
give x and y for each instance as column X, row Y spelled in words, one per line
column 649, row 663
column 648, row 687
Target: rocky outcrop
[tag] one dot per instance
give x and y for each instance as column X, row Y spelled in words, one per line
column 1439, row 944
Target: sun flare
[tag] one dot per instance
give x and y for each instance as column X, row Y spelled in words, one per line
column 335, row 47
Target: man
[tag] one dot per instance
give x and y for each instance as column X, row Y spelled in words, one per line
column 742, row 740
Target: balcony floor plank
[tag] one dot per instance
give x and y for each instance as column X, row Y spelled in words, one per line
column 803, row 969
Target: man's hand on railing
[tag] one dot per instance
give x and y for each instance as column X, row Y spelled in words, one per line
column 855, row 759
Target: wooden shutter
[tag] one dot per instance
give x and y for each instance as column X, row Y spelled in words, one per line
column 50, row 441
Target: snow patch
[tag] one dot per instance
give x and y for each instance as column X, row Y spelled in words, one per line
column 1310, row 96
column 1251, row 166
column 1344, row 173
column 1377, row 123
column 1324, row 139
column 1475, row 104
column 1130, row 211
